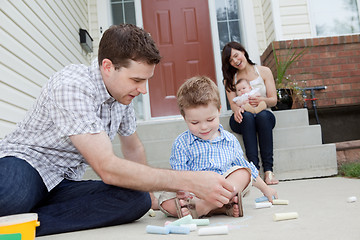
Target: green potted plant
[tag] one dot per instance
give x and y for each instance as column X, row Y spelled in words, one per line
column 288, row 90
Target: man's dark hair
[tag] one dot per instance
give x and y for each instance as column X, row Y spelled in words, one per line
column 121, row 43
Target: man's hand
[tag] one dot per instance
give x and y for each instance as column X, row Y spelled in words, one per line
column 211, row 187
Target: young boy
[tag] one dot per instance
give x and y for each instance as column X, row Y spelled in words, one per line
column 206, row 146
column 243, row 92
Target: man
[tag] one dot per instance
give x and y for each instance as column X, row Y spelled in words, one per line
column 77, row 114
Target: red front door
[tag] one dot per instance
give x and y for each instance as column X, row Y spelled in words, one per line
column 181, row 30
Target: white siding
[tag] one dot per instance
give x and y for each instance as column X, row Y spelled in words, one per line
column 94, row 25
column 260, row 27
column 266, row 6
column 294, row 17
column 281, row 20
column 37, row 38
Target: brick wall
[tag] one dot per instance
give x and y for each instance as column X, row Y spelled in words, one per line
column 330, row 61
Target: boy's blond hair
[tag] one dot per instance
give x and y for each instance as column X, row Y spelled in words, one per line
column 197, row 91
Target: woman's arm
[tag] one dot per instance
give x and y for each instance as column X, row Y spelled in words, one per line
column 234, row 107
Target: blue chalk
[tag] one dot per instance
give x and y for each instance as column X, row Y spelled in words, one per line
column 157, row 229
column 262, row 199
column 178, row 229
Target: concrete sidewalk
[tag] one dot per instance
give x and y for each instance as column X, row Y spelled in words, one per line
column 324, row 213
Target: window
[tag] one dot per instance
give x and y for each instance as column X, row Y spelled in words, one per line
column 228, row 20
column 335, row 17
column 123, row 11
column 229, row 26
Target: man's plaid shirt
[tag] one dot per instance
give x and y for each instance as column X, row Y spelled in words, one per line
column 74, row 101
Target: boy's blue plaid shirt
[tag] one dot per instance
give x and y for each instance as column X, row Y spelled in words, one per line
column 190, row 153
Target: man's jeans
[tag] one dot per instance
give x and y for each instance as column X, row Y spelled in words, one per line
column 252, row 127
column 71, row 205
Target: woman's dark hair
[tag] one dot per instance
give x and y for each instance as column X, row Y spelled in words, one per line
column 228, row 70
column 125, row 42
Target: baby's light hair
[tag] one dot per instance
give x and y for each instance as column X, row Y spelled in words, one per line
column 198, row 91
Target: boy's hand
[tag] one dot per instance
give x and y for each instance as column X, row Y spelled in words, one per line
column 269, row 193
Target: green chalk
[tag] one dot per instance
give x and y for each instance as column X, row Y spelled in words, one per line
column 201, row 222
column 184, row 220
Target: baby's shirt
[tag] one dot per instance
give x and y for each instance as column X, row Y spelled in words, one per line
column 245, row 96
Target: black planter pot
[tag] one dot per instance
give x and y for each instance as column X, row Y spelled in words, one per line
column 285, row 100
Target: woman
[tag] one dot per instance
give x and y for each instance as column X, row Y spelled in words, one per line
column 236, row 64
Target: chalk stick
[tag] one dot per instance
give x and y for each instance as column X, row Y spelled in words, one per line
column 201, row 222
column 262, row 199
column 263, row 204
column 285, row 216
column 351, row 199
column 178, row 229
column 152, row 213
column 280, row 202
column 192, row 226
column 157, row 230
column 184, row 220
column 167, row 223
column 219, row 230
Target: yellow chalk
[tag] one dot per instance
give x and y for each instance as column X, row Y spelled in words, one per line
column 285, row 216
column 152, row 213
column 280, row 202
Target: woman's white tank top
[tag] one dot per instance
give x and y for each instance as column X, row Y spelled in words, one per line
column 256, row 83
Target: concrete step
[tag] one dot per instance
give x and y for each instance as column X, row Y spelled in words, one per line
column 297, row 136
column 305, row 162
column 290, row 118
column 294, row 139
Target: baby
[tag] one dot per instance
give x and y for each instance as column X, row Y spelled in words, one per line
column 243, row 92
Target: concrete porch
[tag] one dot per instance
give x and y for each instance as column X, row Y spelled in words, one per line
column 298, row 149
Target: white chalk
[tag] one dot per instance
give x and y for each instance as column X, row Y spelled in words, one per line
column 351, row 199
column 280, row 202
column 192, row 226
column 285, row 216
column 263, row 204
column 213, row 230
column 178, row 229
column 184, row 220
column 152, row 213
column 157, row 230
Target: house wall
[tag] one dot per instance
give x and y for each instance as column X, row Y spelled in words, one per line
column 330, row 61
column 38, row 38
column 294, row 19
column 260, row 26
column 281, row 20
column 268, row 20
column 94, row 26
column 333, row 62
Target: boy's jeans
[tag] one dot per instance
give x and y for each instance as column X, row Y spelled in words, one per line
column 71, row 205
column 252, row 127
